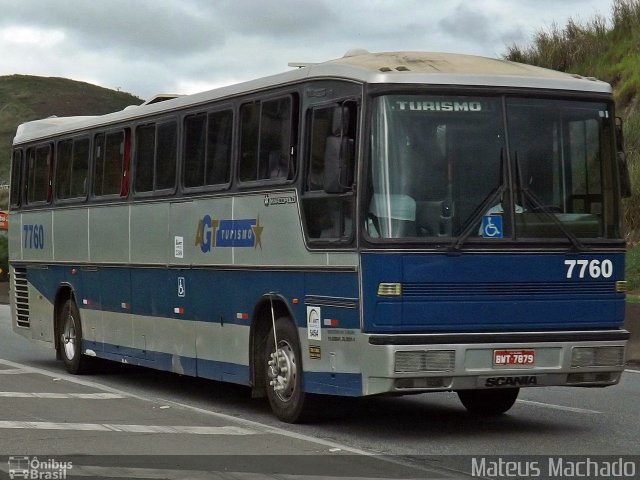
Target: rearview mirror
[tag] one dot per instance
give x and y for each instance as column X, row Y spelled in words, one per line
column 623, row 173
column 623, row 168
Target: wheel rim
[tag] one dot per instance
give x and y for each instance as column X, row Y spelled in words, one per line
column 69, row 337
column 283, row 371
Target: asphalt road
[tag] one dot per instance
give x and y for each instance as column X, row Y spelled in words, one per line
column 173, row 424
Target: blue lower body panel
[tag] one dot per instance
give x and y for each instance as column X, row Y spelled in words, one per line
column 128, row 313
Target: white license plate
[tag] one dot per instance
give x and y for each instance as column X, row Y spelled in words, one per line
column 514, row 358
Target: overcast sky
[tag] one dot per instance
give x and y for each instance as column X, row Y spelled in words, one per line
column 184, row 46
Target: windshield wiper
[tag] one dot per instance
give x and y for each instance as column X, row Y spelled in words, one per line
column 490, row 200
column 540, row 206
column 470, row 225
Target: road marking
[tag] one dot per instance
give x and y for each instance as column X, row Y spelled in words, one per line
column 84, row 396
column 150, row 473
column 632, row 371
column 107, row 427
column 172, row 474
column 559, row 407
column 256, row 426
column 13, row 371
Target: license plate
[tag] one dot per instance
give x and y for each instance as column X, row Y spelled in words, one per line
column 514, row 358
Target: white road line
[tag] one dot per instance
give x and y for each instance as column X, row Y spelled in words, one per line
column 84, row 396
column 13, row 371
column 107, row 427
column 559, row 407
column 632, row 371
column 258, row 427
column 172, row 474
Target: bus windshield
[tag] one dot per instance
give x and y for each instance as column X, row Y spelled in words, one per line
column 490, row 167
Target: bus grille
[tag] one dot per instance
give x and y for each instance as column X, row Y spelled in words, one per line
column 21, row 296
column 425, row 361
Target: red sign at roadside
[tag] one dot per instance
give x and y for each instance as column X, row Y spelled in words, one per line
column 4, row 220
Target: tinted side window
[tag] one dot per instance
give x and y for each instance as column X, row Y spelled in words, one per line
column 72, row 167
column 265, row 147
column 145, row 150
column 79, row 169
column 219, row 134
column 38, row 166
column 166, row 156
column 64, row 162
column 16, row 177
column 109, row 154
column 195, row 128
column 207, row 154
column 328, row 199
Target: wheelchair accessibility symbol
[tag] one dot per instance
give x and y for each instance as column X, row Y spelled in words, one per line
column 492, row 226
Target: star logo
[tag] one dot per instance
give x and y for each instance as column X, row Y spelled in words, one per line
column 257, row 232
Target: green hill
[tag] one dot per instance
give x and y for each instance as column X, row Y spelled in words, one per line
column 608, row 49
column 24, row 98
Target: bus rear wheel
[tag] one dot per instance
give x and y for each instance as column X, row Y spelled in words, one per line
column 284, row 372
column 488, row 402
column 70, row 335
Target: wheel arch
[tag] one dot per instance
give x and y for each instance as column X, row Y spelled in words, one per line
column 261, row 323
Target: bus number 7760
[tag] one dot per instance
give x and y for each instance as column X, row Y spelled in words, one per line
column 595, row 268
column 33, row 236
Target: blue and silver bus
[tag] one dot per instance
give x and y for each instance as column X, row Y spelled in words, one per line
column 383, row 223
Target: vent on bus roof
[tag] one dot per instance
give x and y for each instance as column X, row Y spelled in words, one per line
column 21, row 296
column 161, row 97
column 399, row 68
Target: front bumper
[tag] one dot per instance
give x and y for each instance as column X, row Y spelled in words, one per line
column 441, row 362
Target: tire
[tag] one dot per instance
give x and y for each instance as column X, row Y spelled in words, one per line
column 289, row 401
column 70, row 335
column 488, row 402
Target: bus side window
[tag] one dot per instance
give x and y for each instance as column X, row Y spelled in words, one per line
column 38, row 174
column 195, row 128
column 79, row 168
column 328, row 195
column 266, row 143
column 64, row 155
column 72, row 168
column 16, row 178
column 217, row 170
column 207, row 149
column 144, row 157
column 156, row 157
column 111, row 154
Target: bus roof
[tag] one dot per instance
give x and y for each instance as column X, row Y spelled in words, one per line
column 359, row 66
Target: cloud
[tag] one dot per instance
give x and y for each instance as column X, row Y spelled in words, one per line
column 283, row 19
column 464, row 22
column 180, row 46
column 143, row 27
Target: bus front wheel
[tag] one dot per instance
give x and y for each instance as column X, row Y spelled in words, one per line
column 284, row 372
column 488, row 402
column 70, row 335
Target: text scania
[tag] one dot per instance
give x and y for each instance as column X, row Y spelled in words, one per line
column 444, row 106
column 524, row 381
